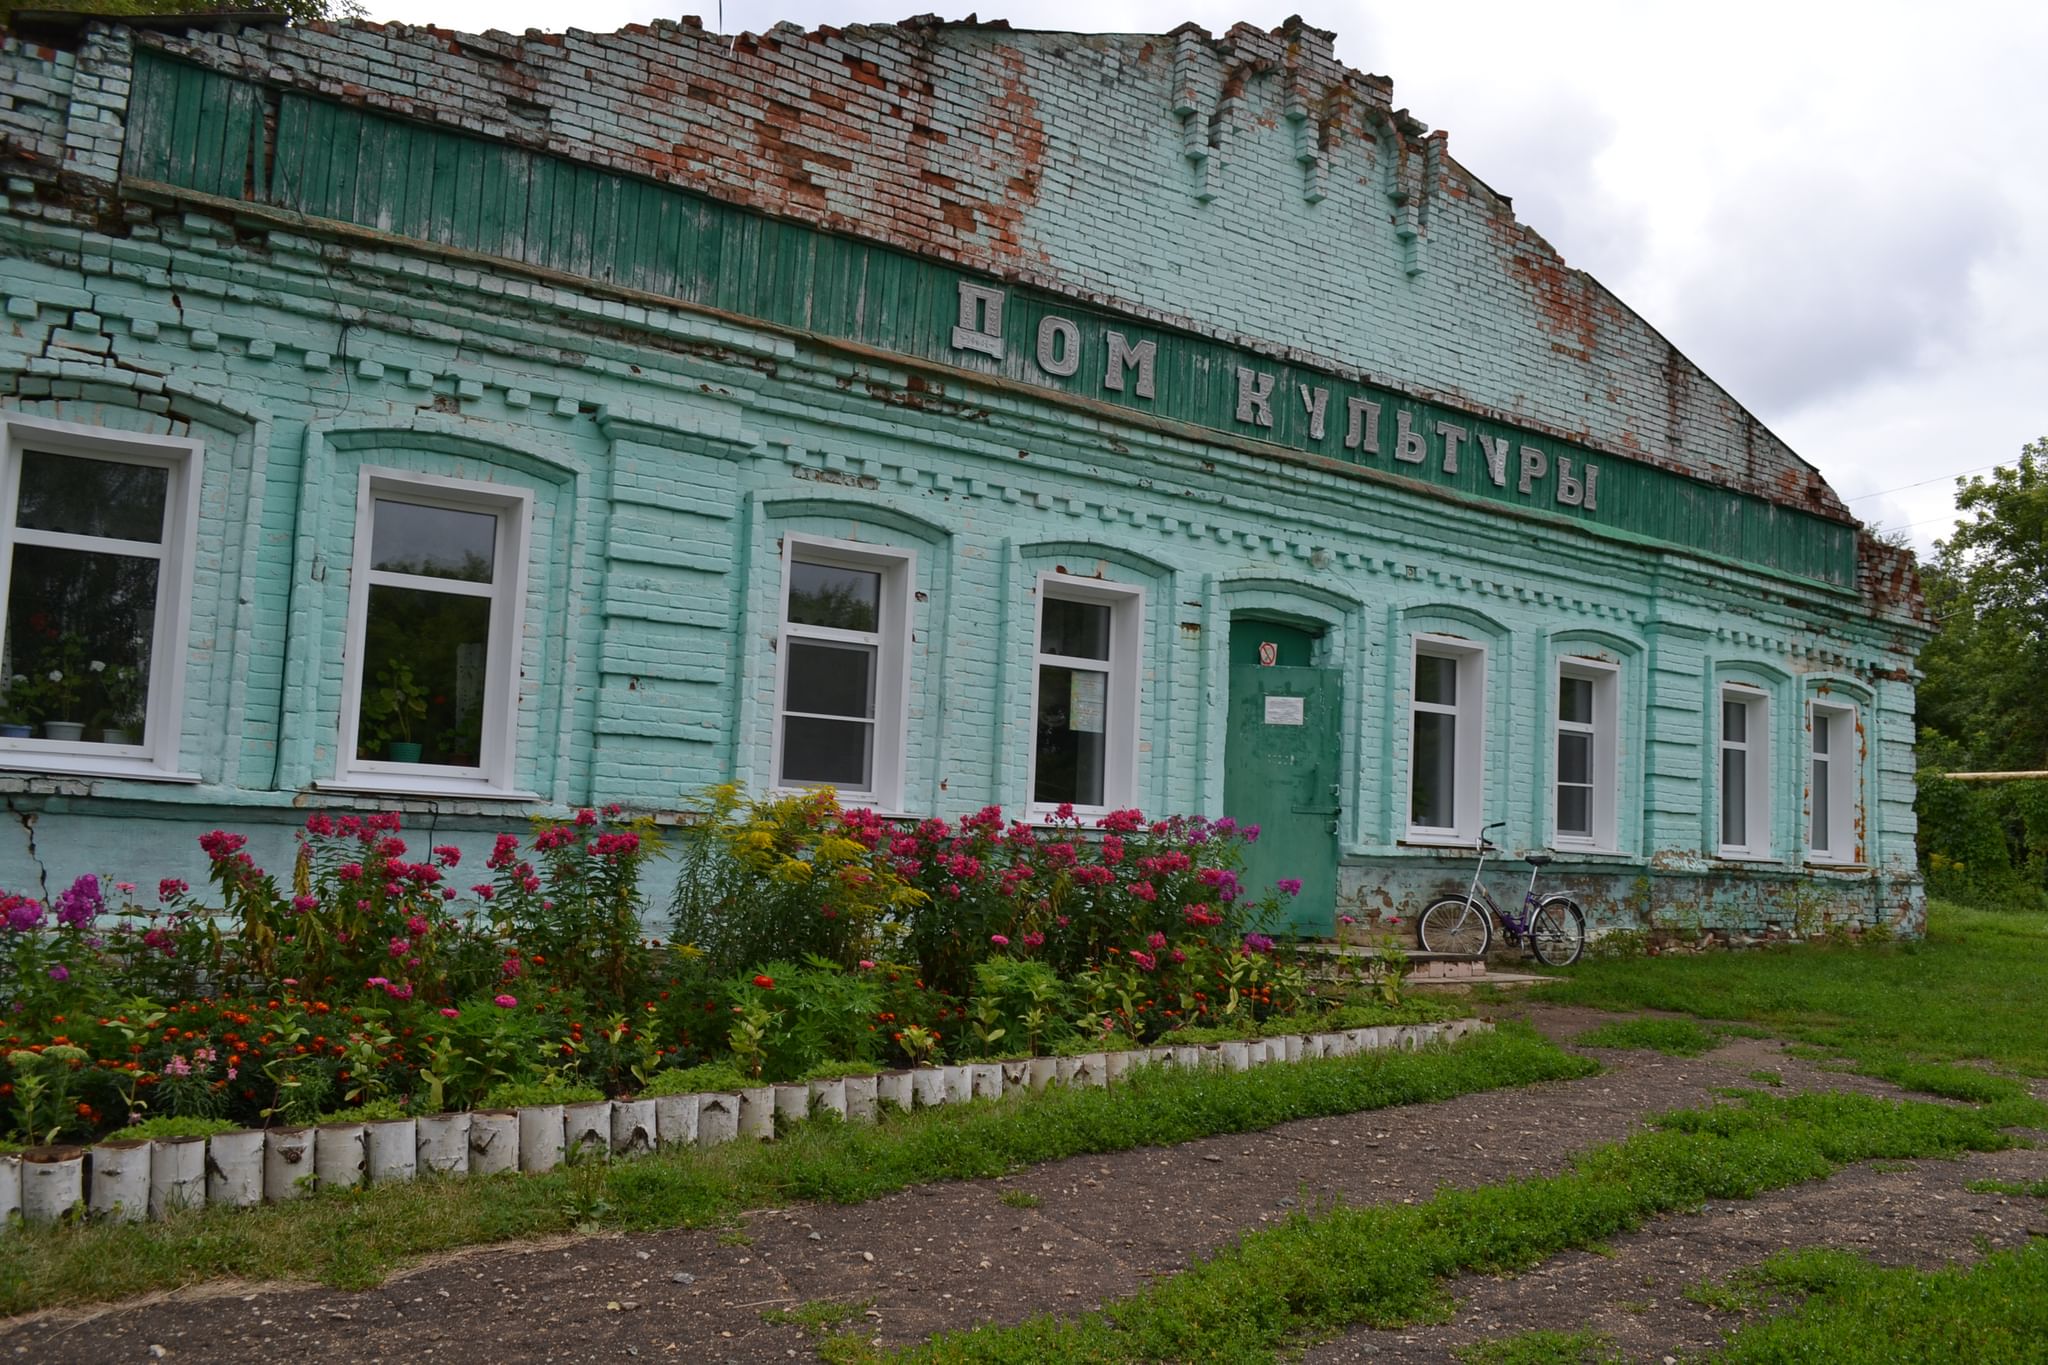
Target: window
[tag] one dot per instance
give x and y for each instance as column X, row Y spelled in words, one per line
column 432, row 669
column 96, row 574
column 1085, row 749
column 1587, row 753
column 1833, row 791
column 1745, row 773
column 843, row 650
column 1444, row 754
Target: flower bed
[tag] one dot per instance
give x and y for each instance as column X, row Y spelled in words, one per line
column 153, row 1178
column 806, row 940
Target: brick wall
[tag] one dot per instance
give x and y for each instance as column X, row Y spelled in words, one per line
column 1248, row 185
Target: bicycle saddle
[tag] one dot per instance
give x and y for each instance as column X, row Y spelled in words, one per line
column 1537, row 859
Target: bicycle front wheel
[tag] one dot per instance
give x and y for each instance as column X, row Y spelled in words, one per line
column 1456, row 926
column 1558, row 933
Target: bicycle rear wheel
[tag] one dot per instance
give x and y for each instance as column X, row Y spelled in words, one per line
column 1456, row 926
column 1558, row 933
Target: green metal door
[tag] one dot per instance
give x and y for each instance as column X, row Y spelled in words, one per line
column 1281, row 756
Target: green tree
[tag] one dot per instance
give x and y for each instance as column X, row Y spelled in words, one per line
column 1984, row 696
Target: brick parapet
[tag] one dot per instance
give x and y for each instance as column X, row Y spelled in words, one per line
column 1249, row 186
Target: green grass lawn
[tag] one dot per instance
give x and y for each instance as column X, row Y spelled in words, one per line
column 354, row 1239
column 1386, row 1265
column 1975, row 991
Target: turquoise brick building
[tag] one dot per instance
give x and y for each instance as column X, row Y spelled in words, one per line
column 485, row 425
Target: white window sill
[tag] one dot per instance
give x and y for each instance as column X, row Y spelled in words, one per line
column 1445, row 839
column 1736, row 855
column 1569, row 850
column 1829, row 865
column 75, row 766
column 475, row 790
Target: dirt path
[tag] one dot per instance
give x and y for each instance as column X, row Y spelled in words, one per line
column 947, row 1256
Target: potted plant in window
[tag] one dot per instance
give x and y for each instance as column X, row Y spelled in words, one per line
column 389, row 711
column 121, row 692
column 18, row 708
column 63, row 689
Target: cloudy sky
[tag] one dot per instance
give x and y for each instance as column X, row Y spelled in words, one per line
column 1839, row 210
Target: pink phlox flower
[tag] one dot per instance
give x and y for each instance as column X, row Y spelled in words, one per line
column 999, row 940
column 506, row 1002
column 503, row 851
column 349, row 872
column 1289, row 886
column 586, row 816
column 448, row 1012
column 305, row 905
column 170, row 888
column 417, row 926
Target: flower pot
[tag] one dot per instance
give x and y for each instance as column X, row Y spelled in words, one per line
column 443, row 1144
column 986, row 1078
column 895, row 1088
column 115, row 736
column 1236, row 1056
column 1016, row 1076
column 177, row 1175
column 718, row 1119
column 493, row 1142
column 633, row 1125
column 1115, row 1065
column 756, row 1114
column 829, row 1096
column 792, row 1103
column 13, row 730
column 928, row 1086
column 339, row 1157
column 1044, row 1071
column 234, row 1168
column 70, row 731
column 403, row 751
column 675, row 1120
column 959, row 1083
column 10, row 1188
column 587, row 1127
column 863, row 1098
column 393, row 1146
column 52, row 1182
column 540, row 1137
column 120, row 1181
column 287, row 1163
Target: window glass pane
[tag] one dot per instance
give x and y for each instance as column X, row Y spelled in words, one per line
column 1734, row 721
column 1575, row 700
column 1436, row 679
column 80, row 627
column 1823, row 729
column 1575, row 757
column 834, row 752
column 425, row 656
column 827, row 595
column 1575, row 811
column 1079, row 630
column 1734, row 798
column 1822, row 812
column 439, row 542
column 830, row 679
column 1433, row 779
column 86, row 497
column 1072, row 735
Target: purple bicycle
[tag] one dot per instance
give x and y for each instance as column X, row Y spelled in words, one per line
column 1553, row 926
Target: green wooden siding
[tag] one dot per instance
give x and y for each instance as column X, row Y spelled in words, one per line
column 199, row 130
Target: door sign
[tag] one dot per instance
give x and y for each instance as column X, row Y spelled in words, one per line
column 1286, row 711
column 1269, row 653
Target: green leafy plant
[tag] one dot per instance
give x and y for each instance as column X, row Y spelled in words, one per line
column 391, row 708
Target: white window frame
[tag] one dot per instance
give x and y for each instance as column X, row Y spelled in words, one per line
column 1756, row 745
column 892, row 659
column 1605, row 770
column 156, row 759
column 1126, row 603
column 1469, row 760
column 498, row 739
column 1843, row 776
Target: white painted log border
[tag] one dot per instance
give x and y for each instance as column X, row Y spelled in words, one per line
column 245, row 1167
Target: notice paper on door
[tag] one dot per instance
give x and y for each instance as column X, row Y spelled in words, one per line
column 1087, row 700
column 1285, row 711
